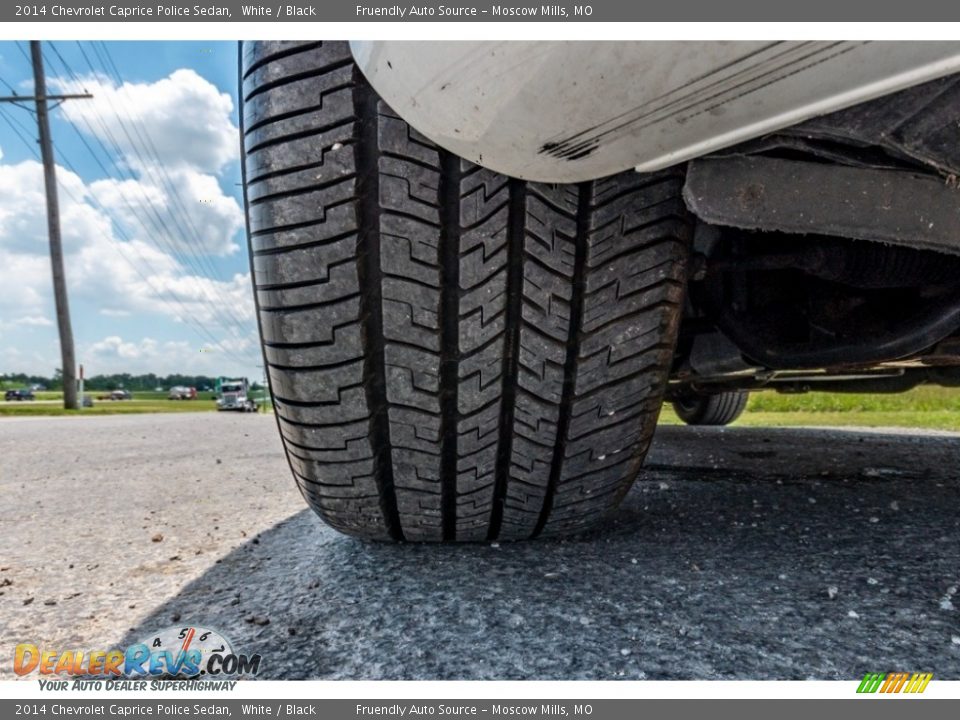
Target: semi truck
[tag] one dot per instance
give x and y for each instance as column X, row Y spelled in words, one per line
column 234, row 394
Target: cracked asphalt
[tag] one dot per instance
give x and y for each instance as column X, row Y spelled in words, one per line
column 743, row 553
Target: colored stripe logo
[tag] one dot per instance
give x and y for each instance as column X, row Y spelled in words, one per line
column 895, row 682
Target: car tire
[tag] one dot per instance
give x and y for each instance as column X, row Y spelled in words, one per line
column 454, row 355
column 718, row 409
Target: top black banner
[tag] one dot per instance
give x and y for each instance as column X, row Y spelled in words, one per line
column 472, row 11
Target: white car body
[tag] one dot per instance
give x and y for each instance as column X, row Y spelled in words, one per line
column 575, row 111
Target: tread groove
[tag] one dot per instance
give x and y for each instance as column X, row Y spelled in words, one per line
column 449, row 255
column 516, row 220
column 368, row 212
column 294, row 77
column 275, row 56
column 299, row 135
column 573, row 350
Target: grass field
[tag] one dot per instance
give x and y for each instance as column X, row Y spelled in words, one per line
column 924, row 407
column 50, row 403
column 928, row 407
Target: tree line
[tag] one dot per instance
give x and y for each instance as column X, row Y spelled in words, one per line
column 148, row 381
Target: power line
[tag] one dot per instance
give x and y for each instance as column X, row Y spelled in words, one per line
column 198, row 260
column 184, row 312
column 23, row 52
column 13, row 123
column 222, row 305
column 13, row 90
column 152, row 168
column 23, row 134
column 150, row 148
column 31, row 146
column 157, row 221
column 148, row 168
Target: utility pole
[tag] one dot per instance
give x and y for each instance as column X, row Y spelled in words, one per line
column 40, row 98
column 67, row 358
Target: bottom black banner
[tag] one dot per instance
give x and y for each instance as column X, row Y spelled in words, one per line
column 621, row 709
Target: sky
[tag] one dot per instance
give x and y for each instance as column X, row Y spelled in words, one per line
column 151, row 212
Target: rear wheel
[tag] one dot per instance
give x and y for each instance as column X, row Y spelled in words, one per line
column 453, row 354
column 719, row 409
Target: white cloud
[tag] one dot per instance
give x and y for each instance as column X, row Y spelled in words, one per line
column 16, row 328
column 34, row 321
column 134, row 243
column 129, row 274
column 175, row 136
column 114, row 346
column 29, row 293
column 118, row 277
column 186, row 118
column 113, row 354
column 15, row 359
column 199, row 219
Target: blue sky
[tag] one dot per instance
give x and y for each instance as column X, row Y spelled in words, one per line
column 150, row 205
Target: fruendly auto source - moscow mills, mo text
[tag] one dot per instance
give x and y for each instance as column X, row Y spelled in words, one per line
column 494, row 11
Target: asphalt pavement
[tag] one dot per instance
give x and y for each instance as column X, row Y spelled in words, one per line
column 743, row 553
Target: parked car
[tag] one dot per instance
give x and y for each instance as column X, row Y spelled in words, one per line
column 480, row 269
column 180, row 392
column 116, row 395
column 22, row 394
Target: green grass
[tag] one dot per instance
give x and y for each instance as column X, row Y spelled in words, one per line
column 926, row 398
column 926, row 407
column 108, row 407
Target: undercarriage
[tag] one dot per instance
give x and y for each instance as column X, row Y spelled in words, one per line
column 827, row 257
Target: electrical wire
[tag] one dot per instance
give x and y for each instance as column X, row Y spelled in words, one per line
column 200, row 263
column 220, row 304
column 185, row 315
column 10, row 121
column 69, row 193
column 26, row 55
column 157, row 164
column 13, row 90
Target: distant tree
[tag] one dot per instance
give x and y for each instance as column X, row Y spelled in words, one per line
column 18, row 380
column 104, row 382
